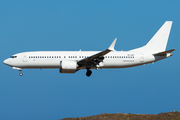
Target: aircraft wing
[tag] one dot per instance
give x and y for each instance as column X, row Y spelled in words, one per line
column 97, row 58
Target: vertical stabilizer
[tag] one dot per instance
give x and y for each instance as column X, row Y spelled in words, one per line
column 159, row 41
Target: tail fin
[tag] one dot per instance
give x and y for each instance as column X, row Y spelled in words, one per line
column 159, row 41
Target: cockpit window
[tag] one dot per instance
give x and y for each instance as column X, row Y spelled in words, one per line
column 13, row 56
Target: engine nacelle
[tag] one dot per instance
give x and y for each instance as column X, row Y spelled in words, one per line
column 68, row 66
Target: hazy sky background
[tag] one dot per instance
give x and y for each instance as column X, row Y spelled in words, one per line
column 69, row 25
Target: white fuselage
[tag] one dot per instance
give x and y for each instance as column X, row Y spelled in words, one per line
column 51, row 59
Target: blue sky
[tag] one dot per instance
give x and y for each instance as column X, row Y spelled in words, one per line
column 42, row 25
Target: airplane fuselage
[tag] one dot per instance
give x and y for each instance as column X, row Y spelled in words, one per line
column 51, row 59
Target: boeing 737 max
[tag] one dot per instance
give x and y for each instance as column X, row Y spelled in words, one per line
column 72, row 61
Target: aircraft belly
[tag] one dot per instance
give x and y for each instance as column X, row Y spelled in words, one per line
column 119, row 63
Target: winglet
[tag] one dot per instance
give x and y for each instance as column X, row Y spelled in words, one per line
column 111, row 47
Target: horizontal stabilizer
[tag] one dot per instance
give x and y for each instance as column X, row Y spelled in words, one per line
column 165, row 52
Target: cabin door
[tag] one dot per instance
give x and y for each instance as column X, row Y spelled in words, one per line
column 141, row 58
column 24, row 58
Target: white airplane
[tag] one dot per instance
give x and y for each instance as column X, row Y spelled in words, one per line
column 72, row 61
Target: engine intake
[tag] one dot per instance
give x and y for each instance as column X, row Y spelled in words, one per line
column 68, row 66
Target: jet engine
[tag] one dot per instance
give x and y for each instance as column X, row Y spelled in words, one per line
column 68, row 66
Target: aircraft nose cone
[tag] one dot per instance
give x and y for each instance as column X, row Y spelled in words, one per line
column 6, row 62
